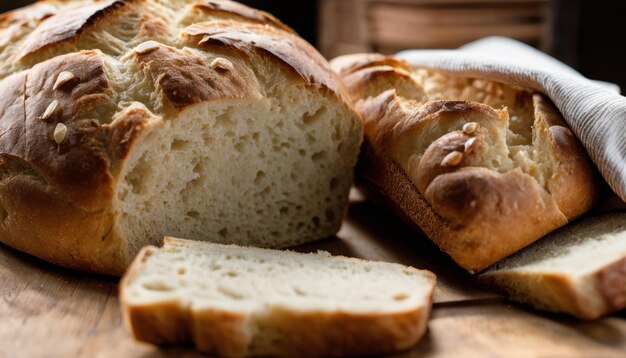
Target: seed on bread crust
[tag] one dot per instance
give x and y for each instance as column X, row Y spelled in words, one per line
column 222, row 64
column 147, row 47
column 60, row 132
column 469, row 127
column 52, row 107
column 469, row 144
column 452, row 159
column 62, row 79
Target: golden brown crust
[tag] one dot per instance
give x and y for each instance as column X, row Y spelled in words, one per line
column 311, row 334
column 610, row 281
column 546, row 291
column 345, row 65
column 323, row 334
column 126, row 127
column 78, row 166
column 254, row 41
column 185, row 79
column 574, row 184
column 40, row 220
column 468, row 234
column 68, row 24
column 479, row 194
column 380, row 79
column 241, row 12
column 558, row 292
column 37, row 12
column 115, row 95
column 579, row 269
column 220, row 332
column 160, row 323
column 479, row 205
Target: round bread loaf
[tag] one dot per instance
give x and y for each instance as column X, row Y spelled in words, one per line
column 482, row 168
column 122, row 121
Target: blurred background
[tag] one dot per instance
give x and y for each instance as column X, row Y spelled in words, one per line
column 588, row 35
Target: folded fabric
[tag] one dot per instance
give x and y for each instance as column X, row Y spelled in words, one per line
column 594, row 110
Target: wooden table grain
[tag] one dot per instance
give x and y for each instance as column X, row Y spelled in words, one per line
column 48, row 311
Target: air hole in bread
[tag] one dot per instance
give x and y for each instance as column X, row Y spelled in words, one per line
column 157, row 286
column 179, row 144
column 309, row 118
column 319, row 156
column 330, row 215
column 229, row 292
column 135, row 177
column 193, row 214
column 401, row 296
column 260, row 175
column 299, row 291
column 240, row 146
column 224, row 120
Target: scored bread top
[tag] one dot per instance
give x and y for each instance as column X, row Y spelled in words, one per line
column 497, row 165
column 82, row 80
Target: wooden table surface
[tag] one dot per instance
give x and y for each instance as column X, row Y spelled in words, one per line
column 47, row 311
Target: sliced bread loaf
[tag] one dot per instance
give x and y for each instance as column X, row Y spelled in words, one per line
column 124, row 121
column 239, row 301
column 579, row 270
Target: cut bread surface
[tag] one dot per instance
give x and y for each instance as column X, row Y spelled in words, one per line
column 579, row 269
column 266, row 172
column 285, row 303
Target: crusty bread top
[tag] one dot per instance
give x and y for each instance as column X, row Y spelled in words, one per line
column 488, row 157
column 406, row 110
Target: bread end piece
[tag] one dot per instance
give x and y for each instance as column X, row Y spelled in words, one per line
column 272, row 328
column 579, row 270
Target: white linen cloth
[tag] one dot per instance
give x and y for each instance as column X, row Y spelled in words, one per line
column 594, row 110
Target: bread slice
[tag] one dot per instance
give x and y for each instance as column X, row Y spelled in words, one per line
column 126, row 121
column 579, row 270
column 239, row 301
column 482, row 168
